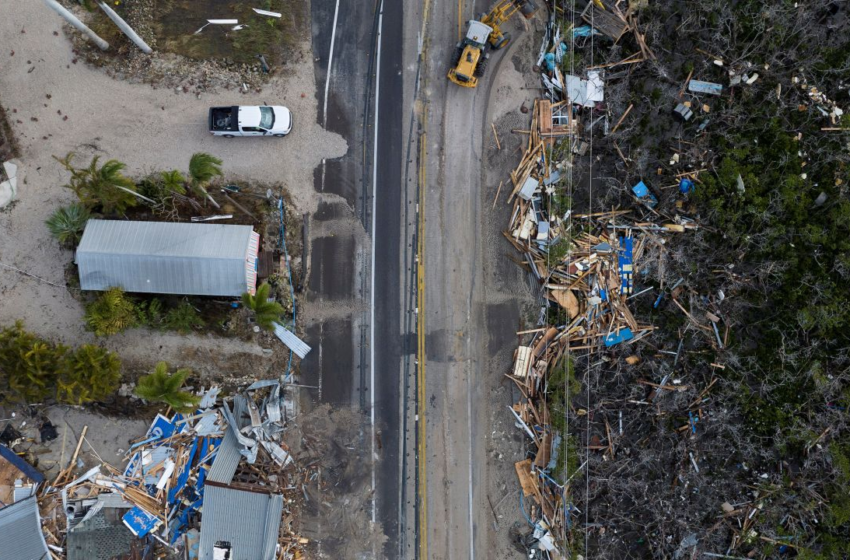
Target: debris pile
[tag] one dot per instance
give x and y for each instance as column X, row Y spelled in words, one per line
column 197, row 485
column 602, row 18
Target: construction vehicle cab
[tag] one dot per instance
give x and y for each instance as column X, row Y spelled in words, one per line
column 470, row 58
column 471, row 55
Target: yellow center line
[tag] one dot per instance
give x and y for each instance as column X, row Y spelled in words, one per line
column 420, row 352
column 459, row 19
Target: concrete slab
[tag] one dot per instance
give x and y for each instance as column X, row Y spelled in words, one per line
column 6, row 194
column 11, row 169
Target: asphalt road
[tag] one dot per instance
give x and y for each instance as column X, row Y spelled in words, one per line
column 356, row 258
column 411, row 133
column 459, row 323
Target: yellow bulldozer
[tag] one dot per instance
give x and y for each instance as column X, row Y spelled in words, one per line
column 470, row 58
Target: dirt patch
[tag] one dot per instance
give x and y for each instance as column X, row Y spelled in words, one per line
column 8, row 146
column 333, row 447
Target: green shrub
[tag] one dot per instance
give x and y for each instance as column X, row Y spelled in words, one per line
column 89, row 374
column 111, row 313
column 34, row 370
column 183, row 318
column 67, row 224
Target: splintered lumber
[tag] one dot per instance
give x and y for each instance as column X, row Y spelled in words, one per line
column 526, row 480
column 496, row 136
column 544, row 454
column 605, row 21
column 523, row 362
column 619, row 122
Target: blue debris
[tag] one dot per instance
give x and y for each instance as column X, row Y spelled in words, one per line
column 645, row 197
column 617, row 337
column 549, row 62
column 584, row 31
column 140, row 522
column 626, row 264
column 686, row 186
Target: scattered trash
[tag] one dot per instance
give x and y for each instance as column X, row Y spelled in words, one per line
column 710, row 88
column 644, row 196
column 267, row 13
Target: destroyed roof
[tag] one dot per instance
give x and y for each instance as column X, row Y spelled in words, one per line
column 20, row 532
column 20, row 464
column 585, row 92
column 168, row 258
column 248, row 520
column 226, row 459
column 101, row 535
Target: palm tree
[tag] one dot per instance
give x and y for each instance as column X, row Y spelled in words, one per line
column 160, row 386
column 173, row 181
column 266, row 312
column 67, row 223
column 104, row 186
column 203, row 168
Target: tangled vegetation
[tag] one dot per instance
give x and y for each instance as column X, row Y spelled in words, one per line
column 770, row 475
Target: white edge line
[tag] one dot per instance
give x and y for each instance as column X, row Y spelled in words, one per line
column 328, row 84
column 330, row 66
column 374, row 219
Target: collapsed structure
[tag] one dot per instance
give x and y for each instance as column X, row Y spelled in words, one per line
column 587, row 267
column 210, row 485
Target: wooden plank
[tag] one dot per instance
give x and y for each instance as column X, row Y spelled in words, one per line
column 526, row 480
column 604, row 21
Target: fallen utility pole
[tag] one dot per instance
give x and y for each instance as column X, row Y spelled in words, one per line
column 72, row 19
column 125, row 29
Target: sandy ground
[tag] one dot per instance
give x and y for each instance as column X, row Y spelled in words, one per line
column 56, row 106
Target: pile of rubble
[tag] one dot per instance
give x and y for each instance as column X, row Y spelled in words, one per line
column 213, row 484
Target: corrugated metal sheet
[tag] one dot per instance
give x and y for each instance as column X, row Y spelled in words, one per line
column 226, row 459
column 293, row 342
column 167, row 258
column 20, row 532
column 249, row 521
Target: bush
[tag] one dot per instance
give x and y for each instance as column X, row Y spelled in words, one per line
column 183, row 318
column 89, row 374
column 34, row 370
column 67, row 224
column 111, row 313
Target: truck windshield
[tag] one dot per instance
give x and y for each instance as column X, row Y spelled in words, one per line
column 266, row 117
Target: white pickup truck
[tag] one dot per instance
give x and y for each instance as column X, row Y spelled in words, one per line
column 250, row 120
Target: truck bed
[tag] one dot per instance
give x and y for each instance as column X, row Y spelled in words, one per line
column 224, row 119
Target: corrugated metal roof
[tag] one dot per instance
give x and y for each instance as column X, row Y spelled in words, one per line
column 249, row 521
column 226, row 459
column 293, row 342
column 166, row 257
column 20, row 532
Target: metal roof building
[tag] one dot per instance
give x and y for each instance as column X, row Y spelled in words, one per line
column 168, row 258
column 249, row 522
column 20, row 532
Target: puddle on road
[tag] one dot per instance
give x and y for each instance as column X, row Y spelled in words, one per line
column 179, row 19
